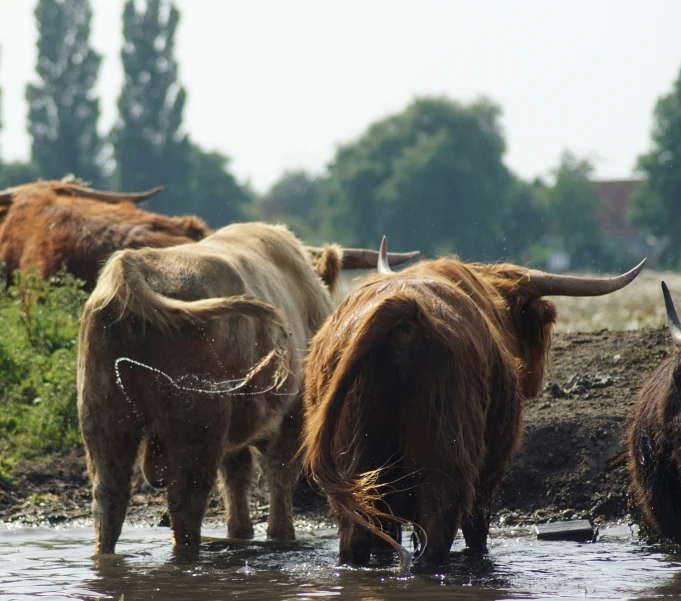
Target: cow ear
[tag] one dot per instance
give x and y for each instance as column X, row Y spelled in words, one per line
column 327, row 262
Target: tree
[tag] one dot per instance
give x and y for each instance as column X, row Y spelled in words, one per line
column 526, row 219
column 657, row 203
column 295, row 193
column 574, row 206
column 17, row 173
column 63, row 111
column 431, row 177
column 149, row 146
column 215, row 194
column 299, row 200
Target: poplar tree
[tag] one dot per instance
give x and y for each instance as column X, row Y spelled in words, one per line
column 150, row 148
column 63, row 110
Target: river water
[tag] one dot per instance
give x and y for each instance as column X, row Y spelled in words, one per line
column 37, row 563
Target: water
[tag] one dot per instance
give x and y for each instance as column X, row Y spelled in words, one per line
column 58, row 564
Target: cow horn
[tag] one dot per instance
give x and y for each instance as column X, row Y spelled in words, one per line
column 672, row 317
column 110, row 197
column 549, row 284
column 362, row 258
column 383, row 265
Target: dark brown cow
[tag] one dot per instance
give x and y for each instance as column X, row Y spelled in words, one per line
column 654, row 440
column 227, row 321
column 414, row 394
column 54, row 225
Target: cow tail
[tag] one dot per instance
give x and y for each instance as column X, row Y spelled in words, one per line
column 355, row 495
column 122, row 285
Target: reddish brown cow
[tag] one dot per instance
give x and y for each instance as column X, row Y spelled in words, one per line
column 654, row 440
column 248, row 295
column 414, row 394
column 54, row 225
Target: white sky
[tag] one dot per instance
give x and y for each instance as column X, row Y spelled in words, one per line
column 277, row 84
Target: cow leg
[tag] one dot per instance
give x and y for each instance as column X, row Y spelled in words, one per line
column 282, row 465
column 475, row 527
column 111, row 444
column 236, row 475
column 355, row 543
column 438, row 516
column 192, row 471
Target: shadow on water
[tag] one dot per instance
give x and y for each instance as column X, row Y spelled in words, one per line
column 59, row 565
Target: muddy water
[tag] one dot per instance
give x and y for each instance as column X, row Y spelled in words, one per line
column 58, row 564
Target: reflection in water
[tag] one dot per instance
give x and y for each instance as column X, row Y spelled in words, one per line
column 59, row 565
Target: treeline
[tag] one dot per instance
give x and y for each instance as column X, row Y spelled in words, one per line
column 147, row 145
column 431, row 177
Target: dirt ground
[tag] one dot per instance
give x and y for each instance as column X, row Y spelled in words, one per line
column 573, row 433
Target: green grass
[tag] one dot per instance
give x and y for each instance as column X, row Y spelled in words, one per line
column 38, row 354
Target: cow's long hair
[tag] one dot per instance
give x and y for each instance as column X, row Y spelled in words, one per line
column 123, row 287
column 444, row 353
column 48, row 228
column 654, row 444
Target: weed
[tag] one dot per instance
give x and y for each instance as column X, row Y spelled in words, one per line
column 38, row 356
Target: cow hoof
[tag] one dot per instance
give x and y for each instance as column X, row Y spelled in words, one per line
column 476, row 550
column 281, row 534
column 186, row 552
column 240, row 533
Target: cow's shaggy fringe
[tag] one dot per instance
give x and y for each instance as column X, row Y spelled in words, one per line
column 444, row 353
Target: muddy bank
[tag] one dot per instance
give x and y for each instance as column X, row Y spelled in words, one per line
column 573, row 432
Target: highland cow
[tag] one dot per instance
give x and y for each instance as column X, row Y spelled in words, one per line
column 194, row 354
column 414, row 394
column 654, row 440
column 50, row 226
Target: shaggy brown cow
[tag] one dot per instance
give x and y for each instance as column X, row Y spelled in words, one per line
column 414, row 394
column 654, row 440
column 248, row 295
column 54, row 225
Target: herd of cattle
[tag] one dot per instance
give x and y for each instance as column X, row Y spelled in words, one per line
column 404, row 405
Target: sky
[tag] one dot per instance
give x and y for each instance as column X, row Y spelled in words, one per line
column 279, row 84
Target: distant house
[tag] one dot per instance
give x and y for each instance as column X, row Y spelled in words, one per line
column 626, row 241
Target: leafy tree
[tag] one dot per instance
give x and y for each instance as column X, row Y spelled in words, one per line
column 16, row 173
column 526, row 219
column 149, row 146
column 299, row 199
column 63, row 111
column 215, row 194
column 295, row 193
column 657, row 204
column 431, row 177
column 574, row 205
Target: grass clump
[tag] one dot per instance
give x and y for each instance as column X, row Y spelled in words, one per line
column 39, row 324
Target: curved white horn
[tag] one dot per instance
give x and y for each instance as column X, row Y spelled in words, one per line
column 383, row 265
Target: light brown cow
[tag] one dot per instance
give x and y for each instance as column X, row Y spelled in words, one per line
column 227, row 322
column 54, row 225
column 414, row 394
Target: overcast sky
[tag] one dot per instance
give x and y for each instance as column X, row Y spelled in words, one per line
column 277, row 84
